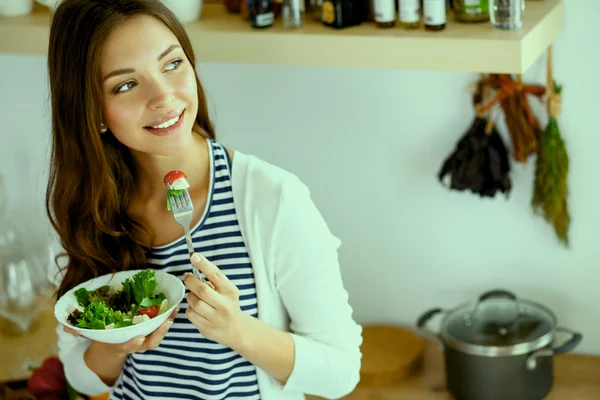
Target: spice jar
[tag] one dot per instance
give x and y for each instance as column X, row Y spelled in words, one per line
column 471, row 10
column 507, row 14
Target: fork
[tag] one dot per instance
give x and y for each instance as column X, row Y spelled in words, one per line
column 183, row 211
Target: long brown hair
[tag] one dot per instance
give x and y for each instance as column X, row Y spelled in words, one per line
column 91, row 182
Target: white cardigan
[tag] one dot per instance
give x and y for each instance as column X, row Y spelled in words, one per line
column 298, row 283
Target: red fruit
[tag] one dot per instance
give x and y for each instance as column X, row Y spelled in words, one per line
column 53, row 364
column 150, row 311
column 49, row 379
column 172, row 176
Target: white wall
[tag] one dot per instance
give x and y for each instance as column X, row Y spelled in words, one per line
column 369, row 143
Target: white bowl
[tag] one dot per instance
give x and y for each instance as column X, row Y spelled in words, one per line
column 170, row 285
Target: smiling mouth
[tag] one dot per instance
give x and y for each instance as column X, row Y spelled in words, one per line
column 167, row 127
column 166, row 124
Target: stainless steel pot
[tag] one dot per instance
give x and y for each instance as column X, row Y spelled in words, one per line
column 499, row 348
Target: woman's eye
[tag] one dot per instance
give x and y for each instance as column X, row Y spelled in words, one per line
column 125, row 87
column 174, row 65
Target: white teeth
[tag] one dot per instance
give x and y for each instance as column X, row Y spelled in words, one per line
column 167, row 124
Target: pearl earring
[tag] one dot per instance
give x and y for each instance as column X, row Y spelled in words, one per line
column 102, row 128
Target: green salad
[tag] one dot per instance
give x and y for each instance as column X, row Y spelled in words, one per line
column 135, row 302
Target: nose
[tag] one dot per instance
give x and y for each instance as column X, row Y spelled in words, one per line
column 161, row 95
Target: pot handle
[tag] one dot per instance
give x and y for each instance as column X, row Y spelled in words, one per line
column 497, row 293
column 425, row 317
column 570, row 344
column 531, row 362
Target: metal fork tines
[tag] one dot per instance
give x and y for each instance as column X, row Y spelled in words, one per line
column 183, row 211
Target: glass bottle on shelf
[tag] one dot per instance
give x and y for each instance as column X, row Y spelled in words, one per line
column 260, row 13
column 507, row 14
column 385, row 13
column 316, row 10
column 369, row 10
column 341, row 14
column 292, row 15
column 410, row 14
column 277, row 7
column 471, row 10
column 232, row 6
column 434, row 15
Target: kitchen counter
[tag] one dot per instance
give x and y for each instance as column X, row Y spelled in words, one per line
column 577, row 377
column 18, row 353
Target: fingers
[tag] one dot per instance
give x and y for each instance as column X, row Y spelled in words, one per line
column 71, row 331
column 200, row 306
column 133, row 346
column 221, row 283
column 153, row 340
column 194, row 284
column 140, row 344
column 202, row 291
column 198, row 320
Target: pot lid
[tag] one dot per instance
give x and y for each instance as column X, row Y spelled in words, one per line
column 498, row 320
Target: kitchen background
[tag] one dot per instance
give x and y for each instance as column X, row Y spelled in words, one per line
column 369, row 144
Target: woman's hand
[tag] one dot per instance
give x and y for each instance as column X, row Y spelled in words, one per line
column 138, row 344
column 214, row 309
column 107, row 360
column 214, row 306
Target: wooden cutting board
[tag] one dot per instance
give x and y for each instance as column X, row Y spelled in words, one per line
column 391, row 354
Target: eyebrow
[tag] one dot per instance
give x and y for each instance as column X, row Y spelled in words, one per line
column 131, row 70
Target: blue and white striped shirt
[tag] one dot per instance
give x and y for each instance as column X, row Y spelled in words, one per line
column 186, row 365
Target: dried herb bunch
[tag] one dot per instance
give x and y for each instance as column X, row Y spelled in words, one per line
column 523, row 126
column 550, row 188
column 480, row 161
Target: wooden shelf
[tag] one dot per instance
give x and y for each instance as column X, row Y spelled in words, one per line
column 221, row 37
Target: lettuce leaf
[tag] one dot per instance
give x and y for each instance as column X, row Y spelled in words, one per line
column 97, row 315
column 172, row 192
column 152, row 301
column 140, row 286
column 123, row 324
column 82, row 296
column 85, row 297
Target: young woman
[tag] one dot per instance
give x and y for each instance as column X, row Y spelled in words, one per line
column 274, row 321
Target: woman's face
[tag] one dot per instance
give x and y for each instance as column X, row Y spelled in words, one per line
column 149, row 87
